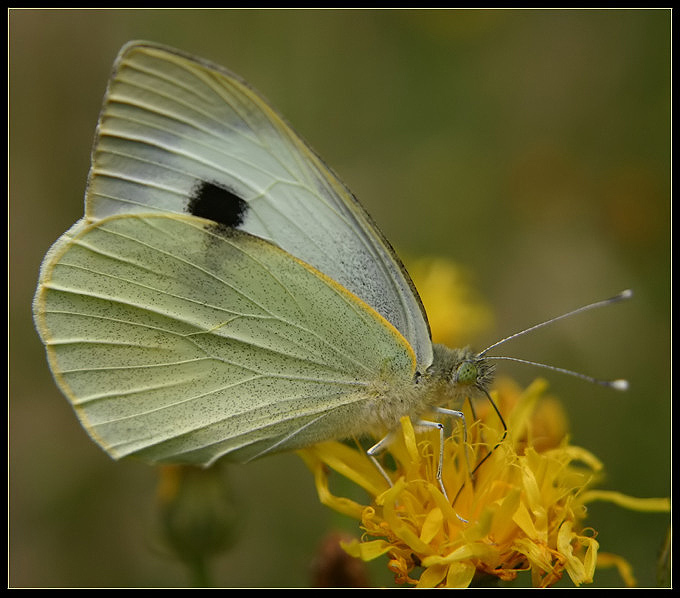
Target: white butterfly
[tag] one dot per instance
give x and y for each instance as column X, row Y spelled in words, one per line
column 224, row 293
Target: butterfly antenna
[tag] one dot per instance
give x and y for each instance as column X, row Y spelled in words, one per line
column 627, row 294
column 618, row 384
column 615, row 384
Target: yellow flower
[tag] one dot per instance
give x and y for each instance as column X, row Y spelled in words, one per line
column 456, row 313
column 523, row 510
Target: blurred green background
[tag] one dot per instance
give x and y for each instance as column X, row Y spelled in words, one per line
column 532, row 147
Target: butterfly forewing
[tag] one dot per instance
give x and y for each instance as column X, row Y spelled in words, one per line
column 182, row 135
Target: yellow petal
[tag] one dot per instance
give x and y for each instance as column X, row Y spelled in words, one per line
column 606, row 559
column 449, row 514
column 366, row 551
column 397, row 524
column 576, row 453
column 538, row 554
column 432, row 525
column 521, row 413
column 503, row 525
column 575, row 567
column 523, row 518
column 475, row 550
column 350, row 463
column 460, row 575
column 342, row 505
column 652, row 505
column 432, row 576
column 410, row 439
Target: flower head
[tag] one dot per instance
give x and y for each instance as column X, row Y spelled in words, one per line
column 523, row 509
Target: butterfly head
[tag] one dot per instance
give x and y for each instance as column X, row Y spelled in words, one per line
column 473, row 372
column 462, row 372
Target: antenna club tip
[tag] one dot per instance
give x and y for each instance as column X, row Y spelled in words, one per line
column 619, row 384
column 627, row 294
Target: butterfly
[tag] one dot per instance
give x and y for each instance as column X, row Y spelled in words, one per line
column 224, row 294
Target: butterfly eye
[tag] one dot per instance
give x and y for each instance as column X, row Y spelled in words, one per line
column 466, row 373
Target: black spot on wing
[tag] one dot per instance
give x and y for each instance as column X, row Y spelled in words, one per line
column 218, row 204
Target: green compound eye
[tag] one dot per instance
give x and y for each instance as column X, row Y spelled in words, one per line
column 467, row 373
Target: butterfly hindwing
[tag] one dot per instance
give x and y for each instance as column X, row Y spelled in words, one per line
column 178, row 340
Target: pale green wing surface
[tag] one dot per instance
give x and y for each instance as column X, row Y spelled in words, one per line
column 180, row 341
column 178, row 134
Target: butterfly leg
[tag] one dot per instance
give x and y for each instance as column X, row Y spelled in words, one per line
column 384, row 442
column 378, row 448
column 430, row 424
column 459, row 416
